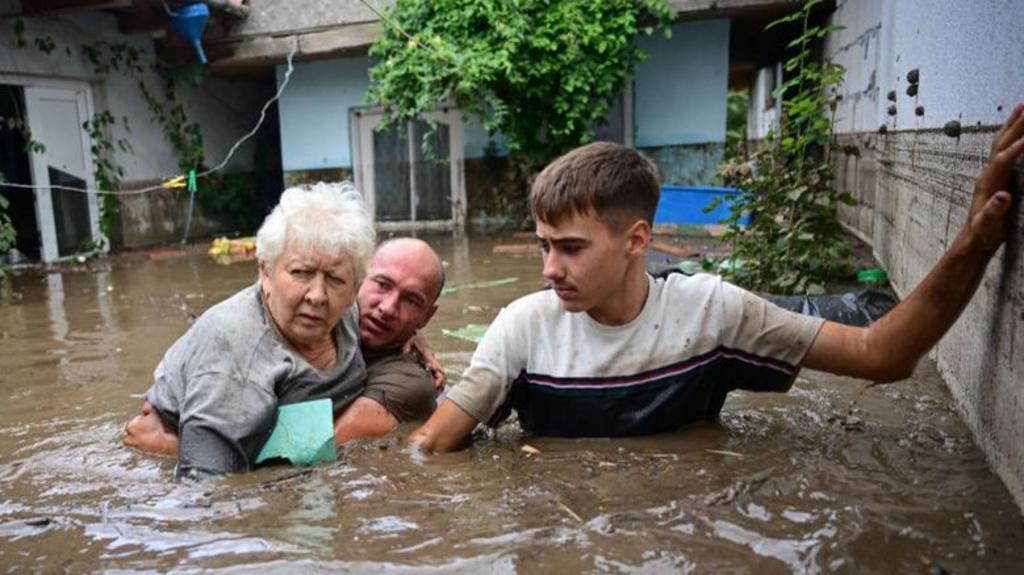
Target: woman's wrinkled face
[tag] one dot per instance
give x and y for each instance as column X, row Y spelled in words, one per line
column 307, row 293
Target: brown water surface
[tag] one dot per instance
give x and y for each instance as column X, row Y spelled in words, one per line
column 828, row 477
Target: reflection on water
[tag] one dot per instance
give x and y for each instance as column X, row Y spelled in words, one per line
column 826, row 478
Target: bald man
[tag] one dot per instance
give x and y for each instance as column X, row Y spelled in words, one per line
column 398, row 297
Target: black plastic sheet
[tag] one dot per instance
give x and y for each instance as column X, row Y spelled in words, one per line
column 857, row 308
column 853, row 308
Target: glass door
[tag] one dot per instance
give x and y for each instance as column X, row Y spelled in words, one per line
column 68, row 220
column 407, row 186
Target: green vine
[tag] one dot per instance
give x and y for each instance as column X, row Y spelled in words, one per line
column 795, row 243
column 108, row 57
column 184, row 136
column 8, row 236
column 109, row 174
column 543, row 73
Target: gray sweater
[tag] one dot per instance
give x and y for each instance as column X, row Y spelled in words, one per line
column 221, row 382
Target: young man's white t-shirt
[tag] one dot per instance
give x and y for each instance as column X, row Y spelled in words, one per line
column 696, row 339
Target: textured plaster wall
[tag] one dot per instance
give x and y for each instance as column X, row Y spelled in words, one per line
column 274, row 17
column 680, row 90
column 914, row 182
column 967, row 54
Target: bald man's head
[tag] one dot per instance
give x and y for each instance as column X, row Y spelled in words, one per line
column 403, row 281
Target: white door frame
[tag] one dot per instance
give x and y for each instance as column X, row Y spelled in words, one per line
column 81, row 92
column 362, row 122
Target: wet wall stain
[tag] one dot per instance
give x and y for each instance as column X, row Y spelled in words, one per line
column 687, row 165
column 915, row 189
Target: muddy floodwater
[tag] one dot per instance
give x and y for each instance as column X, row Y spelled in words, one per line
column 827, row 478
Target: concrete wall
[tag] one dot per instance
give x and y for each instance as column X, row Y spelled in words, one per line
column 679, row 100
column 315, row 112
column 275, row 18
column 224, row 109
column 763, row 110
column 915, row 182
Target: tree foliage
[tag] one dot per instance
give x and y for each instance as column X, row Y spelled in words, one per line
column 795, row 243
column 543, row 72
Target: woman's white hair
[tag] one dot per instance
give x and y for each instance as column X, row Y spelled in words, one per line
column 329, row 219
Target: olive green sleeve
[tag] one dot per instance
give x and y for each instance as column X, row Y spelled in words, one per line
column 403, row 386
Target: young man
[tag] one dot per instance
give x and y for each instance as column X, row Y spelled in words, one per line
column 611, row 351
column 398, row 297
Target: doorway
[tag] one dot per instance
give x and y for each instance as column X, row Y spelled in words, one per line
column 405, row 186
column 65, row 218
column 15, row 168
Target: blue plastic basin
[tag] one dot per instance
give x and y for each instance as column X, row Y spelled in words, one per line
column 685, row 205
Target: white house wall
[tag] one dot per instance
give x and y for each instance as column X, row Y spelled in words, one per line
column 955, row 46
column 914, row 180
column 679, row 100
column 315, row 112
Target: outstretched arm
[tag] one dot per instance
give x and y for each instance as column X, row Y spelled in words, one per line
column 446, row 430
column 889, row 349
column 364, row 418
column 148, row 433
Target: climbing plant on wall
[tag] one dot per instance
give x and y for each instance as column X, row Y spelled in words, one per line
column 7, row 233
column 543, row 72
column 795, row 243
column 108, row 172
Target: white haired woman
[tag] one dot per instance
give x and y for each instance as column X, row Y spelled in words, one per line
column 291, row 337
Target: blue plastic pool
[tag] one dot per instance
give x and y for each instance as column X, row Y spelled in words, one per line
column 685, row 205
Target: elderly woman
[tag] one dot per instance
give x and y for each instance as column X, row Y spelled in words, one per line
column 291, row 337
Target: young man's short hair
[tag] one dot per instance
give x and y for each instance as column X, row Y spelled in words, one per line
column 615, row 183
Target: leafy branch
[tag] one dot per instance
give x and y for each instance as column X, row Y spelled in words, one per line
column 108, row 173
column 8, row 236
column 543, row 73
column 794, row 243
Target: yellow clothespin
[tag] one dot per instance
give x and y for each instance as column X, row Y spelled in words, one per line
column 175, row 182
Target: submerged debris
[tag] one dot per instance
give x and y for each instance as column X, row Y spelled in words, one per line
column 516, row 249
column 480, row 285
column 473, row 332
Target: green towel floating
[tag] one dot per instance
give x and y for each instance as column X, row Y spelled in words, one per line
column 473, row 332
column 304, row 434
column 479, row 285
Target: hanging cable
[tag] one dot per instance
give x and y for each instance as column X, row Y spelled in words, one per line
column 263, row 113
